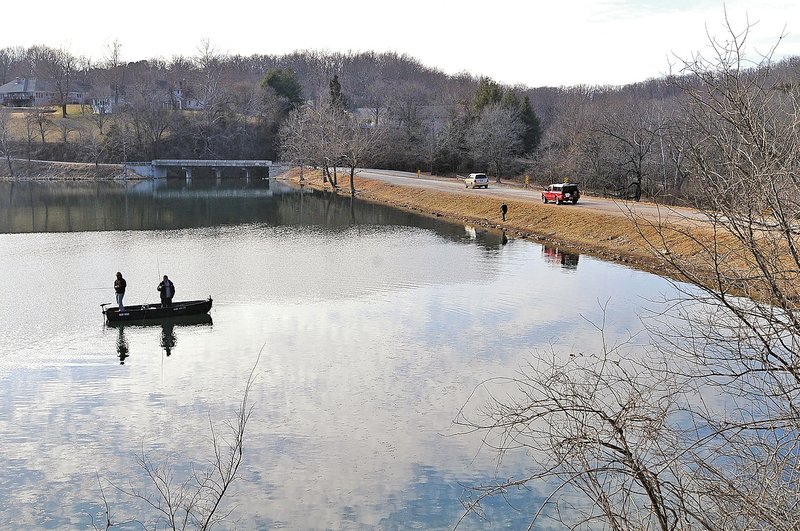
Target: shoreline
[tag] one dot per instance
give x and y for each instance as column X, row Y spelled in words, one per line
column 618, row 237
column 613, row 237
column 45, row 170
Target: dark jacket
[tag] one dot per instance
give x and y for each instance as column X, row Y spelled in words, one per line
column 120, row 285
column 167, row 289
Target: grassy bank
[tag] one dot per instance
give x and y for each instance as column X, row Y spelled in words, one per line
column 640, row 242
column 55, row 171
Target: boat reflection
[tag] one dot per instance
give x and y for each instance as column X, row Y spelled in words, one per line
column 556, row 256
column 186, row 320
column 169, row 338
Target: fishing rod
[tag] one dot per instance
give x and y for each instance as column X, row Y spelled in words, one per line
column 158, row 265
column 147, row 297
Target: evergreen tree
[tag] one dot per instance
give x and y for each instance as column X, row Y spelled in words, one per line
column 532, row 133
column 511, row 100
column 488, row 93
column 338, row 100
column 285, row 84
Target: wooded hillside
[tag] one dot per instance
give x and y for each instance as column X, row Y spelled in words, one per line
column 626, row 140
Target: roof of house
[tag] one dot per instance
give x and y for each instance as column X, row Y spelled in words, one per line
column 23, row 85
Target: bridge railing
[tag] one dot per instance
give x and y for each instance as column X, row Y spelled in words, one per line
column 213, row 163
column 158, row 168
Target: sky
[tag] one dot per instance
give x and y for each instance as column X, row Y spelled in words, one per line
column 529, row 42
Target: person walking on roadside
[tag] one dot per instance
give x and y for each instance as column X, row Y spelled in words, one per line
column 119, row 289
column 167, row 290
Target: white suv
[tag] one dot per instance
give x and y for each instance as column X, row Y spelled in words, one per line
column 476, row 180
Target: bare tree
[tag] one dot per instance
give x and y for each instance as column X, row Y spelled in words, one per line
column 67, row 126
column 315, row 133
column 597, row 424
column 31, row 126
column 634, row 129
column 568, row 148
column 703, row 430
column 99, row 118
column 294, row 147
column 196, row 501
column 5, row 140
column 43, row 123
column 116, row 72
column 496, row 137
column 10, row 59
column 94, row 146
column 61, row 66
column 213, row 98
column 151, row 116
column 360, row 145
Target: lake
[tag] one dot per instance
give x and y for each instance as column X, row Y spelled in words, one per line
column 374, row 326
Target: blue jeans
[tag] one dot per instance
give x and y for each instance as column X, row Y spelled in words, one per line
column 119, row 300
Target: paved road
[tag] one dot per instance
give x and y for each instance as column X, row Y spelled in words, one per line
column 516, row 193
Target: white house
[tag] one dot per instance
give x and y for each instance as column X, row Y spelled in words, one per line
column 170, row 98
column 106, row 104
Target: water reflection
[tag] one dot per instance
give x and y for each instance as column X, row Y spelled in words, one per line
column 168, row 339
column 375, row 324
column 122, row 345
column 560, row 257
column 169, row 335
column 164, row 204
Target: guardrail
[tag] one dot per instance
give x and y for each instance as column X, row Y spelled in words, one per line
column 213, row 163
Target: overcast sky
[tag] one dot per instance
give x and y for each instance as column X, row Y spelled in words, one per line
column 531, row 42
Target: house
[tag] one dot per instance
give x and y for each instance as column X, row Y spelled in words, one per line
column 183, row 101
column 177, row 97
column 32, row 92
column 162, row 93
column 107, row 104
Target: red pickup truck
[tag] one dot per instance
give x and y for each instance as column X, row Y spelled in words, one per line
column 560, row 193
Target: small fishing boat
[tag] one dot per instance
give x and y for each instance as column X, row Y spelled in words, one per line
column 155, row 311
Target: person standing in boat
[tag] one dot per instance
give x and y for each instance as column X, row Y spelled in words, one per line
column 119, row 289
column 167, row 290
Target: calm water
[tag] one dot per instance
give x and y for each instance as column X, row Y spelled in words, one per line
column 376, row 325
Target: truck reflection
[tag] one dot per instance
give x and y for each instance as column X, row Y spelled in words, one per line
column 556, row 256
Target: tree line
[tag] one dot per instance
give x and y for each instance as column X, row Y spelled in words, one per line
column 619, row 140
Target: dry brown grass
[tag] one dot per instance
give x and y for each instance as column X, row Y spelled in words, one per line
column 76, row 119
column 640, row 242
column 59, row 171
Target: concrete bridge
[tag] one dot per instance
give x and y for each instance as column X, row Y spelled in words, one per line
column 158, row 168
